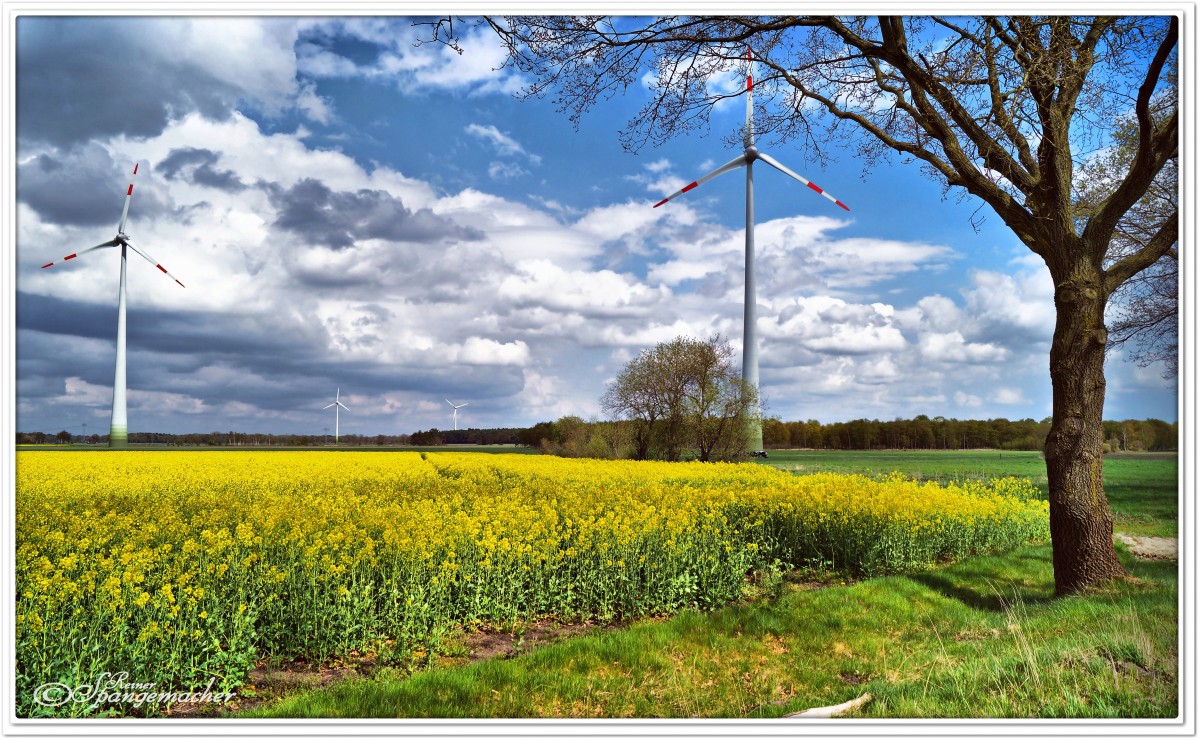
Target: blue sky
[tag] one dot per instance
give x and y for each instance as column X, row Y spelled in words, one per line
column 350, row 211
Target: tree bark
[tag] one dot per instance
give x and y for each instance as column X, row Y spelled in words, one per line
column 1081, row 524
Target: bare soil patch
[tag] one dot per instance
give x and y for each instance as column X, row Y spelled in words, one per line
column 1151, row 548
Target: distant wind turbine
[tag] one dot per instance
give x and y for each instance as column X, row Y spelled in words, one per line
column 337, row 407
column 118, row 431
column 746, row 159
column 456, row 408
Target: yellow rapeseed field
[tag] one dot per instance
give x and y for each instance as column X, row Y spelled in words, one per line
column 177, row 567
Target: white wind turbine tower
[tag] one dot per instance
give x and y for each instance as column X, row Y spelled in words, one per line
column 456, row 408
column 118, row 431
column 746, row 159
column 337, row 407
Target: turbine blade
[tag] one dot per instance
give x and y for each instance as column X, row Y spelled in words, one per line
column 329, row 406
column 125, row 209
column 748, row 137
column 73, row 255
column 459, row 406
column 153, row 261
column 733, row 164
column 771, row 161
column 448, row 401
column 339, row 403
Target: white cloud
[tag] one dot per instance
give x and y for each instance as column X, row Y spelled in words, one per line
column 952, row 347
column 1010, row 397
column 850, row 340
column 483, row 351
column 601, row 293
column 967, row 400
column 503, row 143
column 506, row 171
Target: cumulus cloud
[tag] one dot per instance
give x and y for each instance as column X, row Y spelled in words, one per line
column 321, row 216
column 76, row 80
column 1010, row 397
column 952, row 347
column 593, row 294
column 967, row 400
column 83, row 187
column 199, row 166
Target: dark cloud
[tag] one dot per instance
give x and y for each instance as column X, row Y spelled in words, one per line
column 84, row 78
column 83, row 187
column 321, row 216
column 197, row 166
column 282, row 364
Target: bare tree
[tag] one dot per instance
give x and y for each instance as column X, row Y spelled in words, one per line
column 634, row 397
column 718, row 401
column 1000, row 108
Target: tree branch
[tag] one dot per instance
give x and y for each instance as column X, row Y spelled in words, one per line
column 1161, row 243
column 1156, row 144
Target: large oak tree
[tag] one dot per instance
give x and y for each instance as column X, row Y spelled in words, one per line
column 1005, row 109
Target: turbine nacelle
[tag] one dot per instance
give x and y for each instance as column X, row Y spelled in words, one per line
column 122, row 240
column 749, row 155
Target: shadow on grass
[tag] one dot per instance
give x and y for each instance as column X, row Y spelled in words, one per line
column 994, row 583
column 995, row 596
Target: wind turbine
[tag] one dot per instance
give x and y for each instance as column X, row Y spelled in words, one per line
column 337, row 407
column 746, row 159
column 456, row 408
column 118, row 431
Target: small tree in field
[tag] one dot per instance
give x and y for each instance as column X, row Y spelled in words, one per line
column 682, row 395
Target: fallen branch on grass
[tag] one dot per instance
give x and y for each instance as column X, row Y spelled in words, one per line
column 834, row 711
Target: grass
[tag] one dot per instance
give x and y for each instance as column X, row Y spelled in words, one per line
column 980, row 638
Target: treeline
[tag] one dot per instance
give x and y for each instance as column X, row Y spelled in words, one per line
column 432, row 437
column 573, row 436
column 939, row 433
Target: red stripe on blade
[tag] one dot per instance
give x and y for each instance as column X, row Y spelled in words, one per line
column 135, row 166
column 664, row 200
column 843, row 205
column 181, row 284
column 689, row 187
column 130, row 190
column 814, row 187
column 48, row 264
column 749, row 82
column 161, row 268
column 70, row 256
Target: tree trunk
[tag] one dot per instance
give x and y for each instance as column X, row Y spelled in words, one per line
column 1081, row 525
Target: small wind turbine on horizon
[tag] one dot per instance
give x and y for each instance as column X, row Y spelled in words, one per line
column 456, row 408
column 118, row 431
column 337, row 407
column 749, row 318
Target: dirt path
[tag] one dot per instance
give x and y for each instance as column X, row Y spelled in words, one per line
column 1151, row 548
